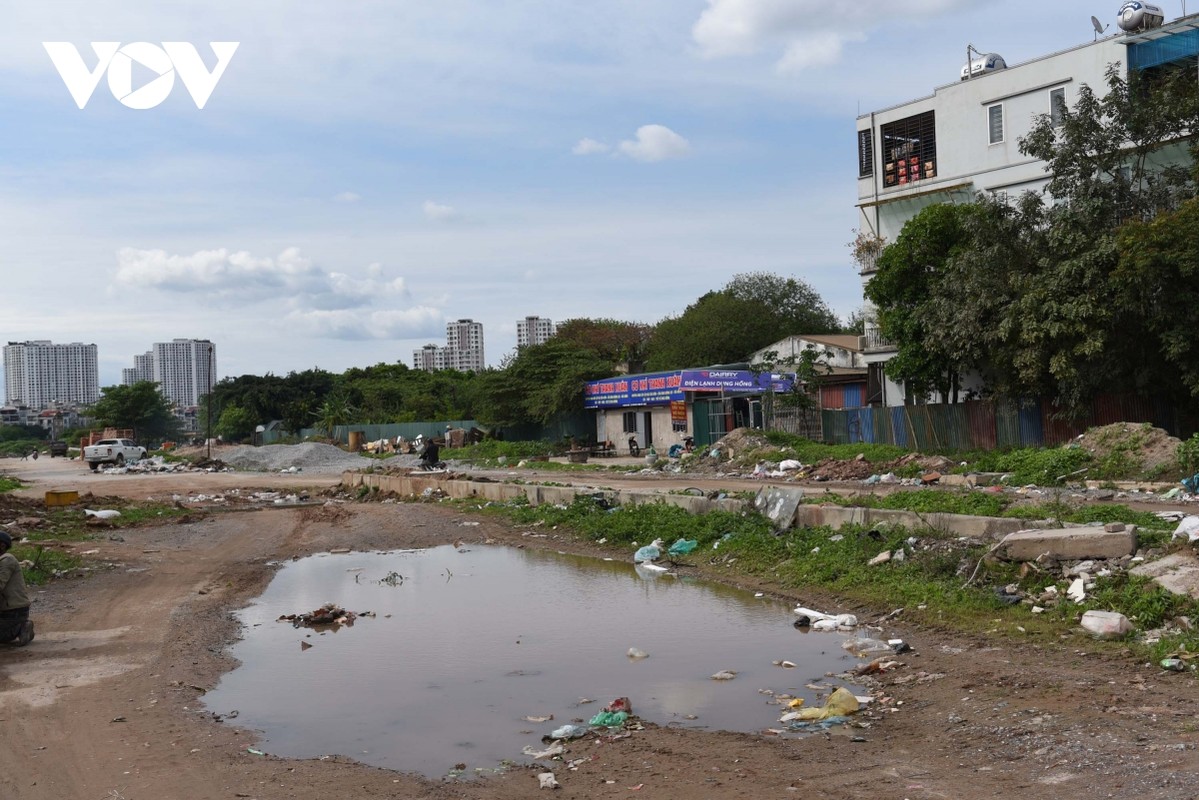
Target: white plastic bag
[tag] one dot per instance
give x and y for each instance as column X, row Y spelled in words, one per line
column 1188, row 527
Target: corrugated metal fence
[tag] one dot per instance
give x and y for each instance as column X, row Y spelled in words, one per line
column 986, row 424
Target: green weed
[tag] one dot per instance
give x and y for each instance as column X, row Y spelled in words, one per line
column 9, row 484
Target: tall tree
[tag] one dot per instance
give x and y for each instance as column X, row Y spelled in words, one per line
column 140, row 407
column 622, row 343
column 539, row 383
column 752, row 311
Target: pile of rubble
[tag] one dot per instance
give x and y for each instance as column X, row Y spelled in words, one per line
column 308, row 457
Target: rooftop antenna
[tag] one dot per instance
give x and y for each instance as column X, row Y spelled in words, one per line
column 1100, row 27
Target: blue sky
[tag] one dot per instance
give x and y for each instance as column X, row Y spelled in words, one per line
column 365, row 171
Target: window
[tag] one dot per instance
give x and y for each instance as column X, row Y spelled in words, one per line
column 909, row 149
column 1057, row 106
column 865, row 153
column 630, row 421
column 995, row 123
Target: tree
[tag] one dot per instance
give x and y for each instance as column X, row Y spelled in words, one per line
column 621, row 343
column 140, row 407
column 539, row 383
column 1060, row 300
column 235, row 424
column 754, row 310
column 907, row 288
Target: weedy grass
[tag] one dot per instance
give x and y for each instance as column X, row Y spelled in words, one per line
column 9, row 484
column 1042, row 466
column 71, row 524
column 810, row 452
column 46, row 562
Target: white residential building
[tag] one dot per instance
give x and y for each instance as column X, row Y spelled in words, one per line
column 184, row 369
column 964, row 139
column 533, row 330
column 40, row 374
column 430, row 358
column 463, row 350
column 142, row 370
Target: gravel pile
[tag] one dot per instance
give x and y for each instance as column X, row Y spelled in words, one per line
column 309, row 457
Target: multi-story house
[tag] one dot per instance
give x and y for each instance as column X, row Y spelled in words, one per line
column 964, row 137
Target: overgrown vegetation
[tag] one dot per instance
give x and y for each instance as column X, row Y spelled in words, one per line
column 1047, row 466
column 9, row 484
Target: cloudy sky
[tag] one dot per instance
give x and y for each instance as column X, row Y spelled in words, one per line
column 366, row 170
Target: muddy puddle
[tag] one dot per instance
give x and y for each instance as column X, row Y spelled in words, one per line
column 467, row 646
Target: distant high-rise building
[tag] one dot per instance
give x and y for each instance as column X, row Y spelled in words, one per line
column 464, row 343
column 463, row 350
column 430, row 358
column 143, row 369
column 39, row 374
column 184, row 369
column 533, row 330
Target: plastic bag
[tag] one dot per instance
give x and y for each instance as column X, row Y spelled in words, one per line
column 682, row 547
column 569, row 732
column 841, row 703
column 609, row 719
column 864, row 645
column 648, row 553
column 1188, row 527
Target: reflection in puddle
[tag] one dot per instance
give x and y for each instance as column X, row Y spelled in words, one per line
column 467, row 645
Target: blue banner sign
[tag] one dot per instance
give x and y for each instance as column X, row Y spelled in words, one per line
column 660, row 388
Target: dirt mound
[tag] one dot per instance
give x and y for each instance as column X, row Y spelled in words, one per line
column 832, row 469
column 1139, row 446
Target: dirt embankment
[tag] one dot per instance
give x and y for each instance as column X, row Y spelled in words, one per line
column 104, row 703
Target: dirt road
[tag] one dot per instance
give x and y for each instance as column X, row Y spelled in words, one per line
column 104, row 703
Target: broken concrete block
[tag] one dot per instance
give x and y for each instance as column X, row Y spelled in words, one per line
column 1114, row 527
column 778, row 505
column 1068, row 544
column 1177, row 573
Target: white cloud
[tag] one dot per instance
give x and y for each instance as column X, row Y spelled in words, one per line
column 410, row 323
column 813, row 32
column 439, row 212
column 589, row 147
column 240, row 278
column 347, row 197
column 655, row 143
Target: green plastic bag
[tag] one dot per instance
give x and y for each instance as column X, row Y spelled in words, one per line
column 682, row 547
column 610, row 719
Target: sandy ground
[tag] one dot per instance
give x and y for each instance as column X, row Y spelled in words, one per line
column 104, row 703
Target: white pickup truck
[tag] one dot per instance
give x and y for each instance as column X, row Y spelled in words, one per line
column 112, row 451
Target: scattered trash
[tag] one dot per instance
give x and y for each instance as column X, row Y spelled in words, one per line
column 254, row 752
column 725, row 675
column 555, row 749
column 609, row 719
column 651, row 552
column 824, row 622
column 107, row 513
column 569, row 732
column 545, row 718
column 863, row 646
column 328, row 614
column 1173, row 664
column 881, row 558
column 682, row 547
column 1106, row 624
column 547, row 780
column 841, row 703
column 634, row 653
column 1188, row 527
column 899, row 646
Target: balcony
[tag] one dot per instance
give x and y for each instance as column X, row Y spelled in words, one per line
column 874, row 341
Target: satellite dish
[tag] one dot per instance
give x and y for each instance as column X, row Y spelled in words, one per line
column 1099, row 26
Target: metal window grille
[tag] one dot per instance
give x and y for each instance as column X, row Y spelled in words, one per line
column 1057, row 106
column 909, row 149
column 865, row 153
column 629, row 419
column 995, row 123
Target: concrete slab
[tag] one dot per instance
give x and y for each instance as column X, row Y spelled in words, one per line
column 779, row 505
column 1177, row 573
column 1068, row 544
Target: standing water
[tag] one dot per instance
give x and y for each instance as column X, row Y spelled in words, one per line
column 467, row 644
